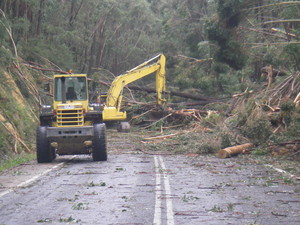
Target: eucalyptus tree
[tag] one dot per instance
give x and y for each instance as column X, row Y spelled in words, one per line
column 86, row 34
column 266, row 32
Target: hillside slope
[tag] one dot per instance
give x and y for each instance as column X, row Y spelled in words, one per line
column 19, row 104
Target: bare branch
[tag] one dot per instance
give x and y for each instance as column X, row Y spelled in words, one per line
column 9, row 31
column 281, row 21
column 275, row 43
column 275, row 4
column 194, row 59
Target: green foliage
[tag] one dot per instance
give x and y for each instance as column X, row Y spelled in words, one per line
column 5, row 140
column 287, row 111
column 21, row 26
column 232, row 55
column 6, row 58
column 204, row 49
column 260, row 151
column 212, row 119
column 229, row 50
column 15, row 160
column 257, row 129
column 37, row 48
column 216, row 33
column 192, row 77
column 229, row 11
column 291, row 117
column 292, row 53
column 205, row 144
column 268, row 57
column 20, row 117
column 288, row 107
column 225, row 141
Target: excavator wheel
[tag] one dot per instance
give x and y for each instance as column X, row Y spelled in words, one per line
column 124, row 127
column 44, row 151
column 99, row 143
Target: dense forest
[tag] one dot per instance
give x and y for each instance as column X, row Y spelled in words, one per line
column 214, row 48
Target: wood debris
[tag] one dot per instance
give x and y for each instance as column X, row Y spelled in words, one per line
column 161, row 137
column 235, row 150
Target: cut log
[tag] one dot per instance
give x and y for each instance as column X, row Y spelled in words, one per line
column 232, row 151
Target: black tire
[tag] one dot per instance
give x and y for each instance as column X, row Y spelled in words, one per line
column 124, row 127
column 44, row 151
column 99, row 143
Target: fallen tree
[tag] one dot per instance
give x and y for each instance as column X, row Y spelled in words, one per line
column 172, row 93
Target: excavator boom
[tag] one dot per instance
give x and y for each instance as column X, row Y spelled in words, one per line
column 155, row 65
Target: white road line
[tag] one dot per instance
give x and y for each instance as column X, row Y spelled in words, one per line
column 31, row 180
column 5, row 192
column 281, row 171
column 158, row 195
column 170, row 213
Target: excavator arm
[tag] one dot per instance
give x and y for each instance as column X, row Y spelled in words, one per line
column 111, row 110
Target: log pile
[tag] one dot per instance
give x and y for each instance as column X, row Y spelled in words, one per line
column 174, row 118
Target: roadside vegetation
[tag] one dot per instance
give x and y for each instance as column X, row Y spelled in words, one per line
column 15, row 160
column 242, row 57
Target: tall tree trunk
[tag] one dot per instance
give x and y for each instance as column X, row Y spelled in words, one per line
column 100, row 44
column 91, row 61
column 40, row 17
column 3, row 5
column 74, row 12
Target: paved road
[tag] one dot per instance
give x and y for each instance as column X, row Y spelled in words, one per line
column 134, row 188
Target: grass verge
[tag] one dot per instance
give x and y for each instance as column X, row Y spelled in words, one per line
column 16, row 160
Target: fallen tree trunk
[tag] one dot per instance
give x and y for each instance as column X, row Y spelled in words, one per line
column 34, row 66
column 232, row 151
column 173, row 93
column 188, row 103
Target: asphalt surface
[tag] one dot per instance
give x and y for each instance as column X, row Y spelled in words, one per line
column 134, row 188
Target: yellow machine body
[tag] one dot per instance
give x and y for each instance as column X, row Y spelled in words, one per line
column 112, row 108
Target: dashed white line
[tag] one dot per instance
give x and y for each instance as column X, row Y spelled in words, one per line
column 31, row 180
column 160, row 169
column 5, row 192
column 281, row 171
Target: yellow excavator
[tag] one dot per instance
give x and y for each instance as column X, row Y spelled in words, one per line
column 73, row 125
